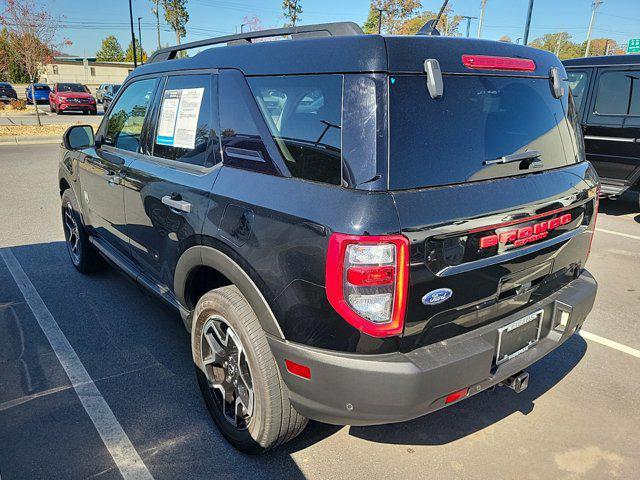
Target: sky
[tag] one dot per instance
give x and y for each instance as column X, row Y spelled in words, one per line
column 87, row 23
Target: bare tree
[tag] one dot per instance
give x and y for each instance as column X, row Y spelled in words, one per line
column 32, row 33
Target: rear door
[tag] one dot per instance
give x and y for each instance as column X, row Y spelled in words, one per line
column 612, row 125
column 492, row 192
column 168, row 188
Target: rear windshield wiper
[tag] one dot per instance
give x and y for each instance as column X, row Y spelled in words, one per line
column 530, row 156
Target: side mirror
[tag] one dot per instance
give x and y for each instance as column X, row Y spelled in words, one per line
column 78, row 137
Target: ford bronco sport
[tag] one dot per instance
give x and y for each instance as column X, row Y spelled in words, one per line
column 357, row 229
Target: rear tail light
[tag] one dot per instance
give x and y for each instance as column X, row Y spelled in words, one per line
column 366, row 281
column 455, row 396
column 485, row 62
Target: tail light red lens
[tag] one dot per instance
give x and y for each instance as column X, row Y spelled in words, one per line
column 486, row 62
column 367, row 280
column 456, row 395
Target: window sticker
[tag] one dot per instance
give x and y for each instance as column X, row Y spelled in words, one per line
column 179, row 117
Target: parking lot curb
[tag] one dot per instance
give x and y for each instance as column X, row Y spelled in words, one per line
column 28, row 140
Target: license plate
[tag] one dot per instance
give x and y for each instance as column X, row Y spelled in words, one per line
column 518, row 337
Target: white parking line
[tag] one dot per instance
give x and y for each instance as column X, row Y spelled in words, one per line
column 610, row 343
column 113, row 436
column 620, row 234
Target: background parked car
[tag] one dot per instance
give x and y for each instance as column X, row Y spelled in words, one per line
column 7, row 92
column 606, row 91
column 71, row 96
column 42, row 91
column 101, row 90
column 109, row 95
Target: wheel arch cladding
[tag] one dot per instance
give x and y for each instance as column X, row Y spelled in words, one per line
column 204, row 256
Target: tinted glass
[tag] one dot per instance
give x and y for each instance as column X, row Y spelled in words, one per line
column 185, row 124
column 618, row 93
column 71, row 87
column 242, row 141
column 115, row 89
column 479, row 118
column 127, row 116
column 578, row 81
column 304, row 116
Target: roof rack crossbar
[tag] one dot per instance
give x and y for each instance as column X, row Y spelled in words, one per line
column 305, row 31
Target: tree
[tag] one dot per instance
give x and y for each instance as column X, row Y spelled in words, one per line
column 396, row 13
column 32, row 31
column 505, row 38
column 559, row 43
column 176, row 15
column 110, row 50
column 370, row 25
column 292, row 9
column 140, row 53
column 599, row 47
column 447, row 25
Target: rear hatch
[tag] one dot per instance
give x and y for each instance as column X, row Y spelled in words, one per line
column 490, row 184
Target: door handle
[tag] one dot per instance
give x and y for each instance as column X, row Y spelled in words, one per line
column 177, row 203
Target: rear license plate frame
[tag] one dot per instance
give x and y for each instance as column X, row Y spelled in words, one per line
column 532, row 320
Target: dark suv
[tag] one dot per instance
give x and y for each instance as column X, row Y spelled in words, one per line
column 607, row 95
column 356, row 229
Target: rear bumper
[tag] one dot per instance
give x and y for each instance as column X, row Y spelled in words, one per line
column 349, row 389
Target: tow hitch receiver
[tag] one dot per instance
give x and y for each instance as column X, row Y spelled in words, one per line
column 518, row 382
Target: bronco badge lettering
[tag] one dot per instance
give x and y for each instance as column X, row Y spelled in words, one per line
column 524, row 235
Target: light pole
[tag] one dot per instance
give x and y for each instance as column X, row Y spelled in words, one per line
column 481, row 21
column 518, row 40
column 140, row 41
column 468, row 22
column 380, row 10
column 527, row 24
column 133, row 36
column 242, row 27
column 596, row 4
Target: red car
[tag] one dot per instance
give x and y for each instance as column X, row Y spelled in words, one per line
column 71, row 96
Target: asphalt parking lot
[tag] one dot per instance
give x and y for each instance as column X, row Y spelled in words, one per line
column 579, row 418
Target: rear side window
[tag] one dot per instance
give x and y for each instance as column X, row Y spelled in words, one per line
column 186, row 121
column 618, row 93
column 578, row 81
column 124, row 127
column 304, row 116
column 479, row 119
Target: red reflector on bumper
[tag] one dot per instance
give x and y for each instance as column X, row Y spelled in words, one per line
column 456, row 395
column 297, row 369
column 486, row 62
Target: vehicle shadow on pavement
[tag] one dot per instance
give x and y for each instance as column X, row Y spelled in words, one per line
column 482, row 410
column 628, row 204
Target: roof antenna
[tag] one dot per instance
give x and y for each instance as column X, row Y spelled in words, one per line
column 429, row 28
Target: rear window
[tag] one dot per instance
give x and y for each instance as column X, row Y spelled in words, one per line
column 42, row 87
column 479, row 118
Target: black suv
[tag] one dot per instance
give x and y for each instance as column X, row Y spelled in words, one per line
column 607, row 95
column 356, row 229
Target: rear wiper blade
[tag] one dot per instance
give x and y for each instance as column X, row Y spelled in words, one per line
column 530, row 155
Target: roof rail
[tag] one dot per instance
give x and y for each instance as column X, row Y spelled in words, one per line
column 304, row 31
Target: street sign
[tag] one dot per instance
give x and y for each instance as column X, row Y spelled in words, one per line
column 633, row 46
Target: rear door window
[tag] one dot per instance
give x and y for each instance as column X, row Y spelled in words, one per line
column 304, row 116
column 618, row 93
column 479, row 119
column 185, row 125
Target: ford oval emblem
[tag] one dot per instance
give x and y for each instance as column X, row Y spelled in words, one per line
column 434, row 297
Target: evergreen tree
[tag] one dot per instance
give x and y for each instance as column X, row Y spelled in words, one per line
column 110, row 50
column 176, row 15
column 141, row 55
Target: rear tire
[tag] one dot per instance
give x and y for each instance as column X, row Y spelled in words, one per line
column 264, row 418
column 82, row 253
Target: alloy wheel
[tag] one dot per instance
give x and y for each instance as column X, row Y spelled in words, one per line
column 226, row 367
column 71, row 232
